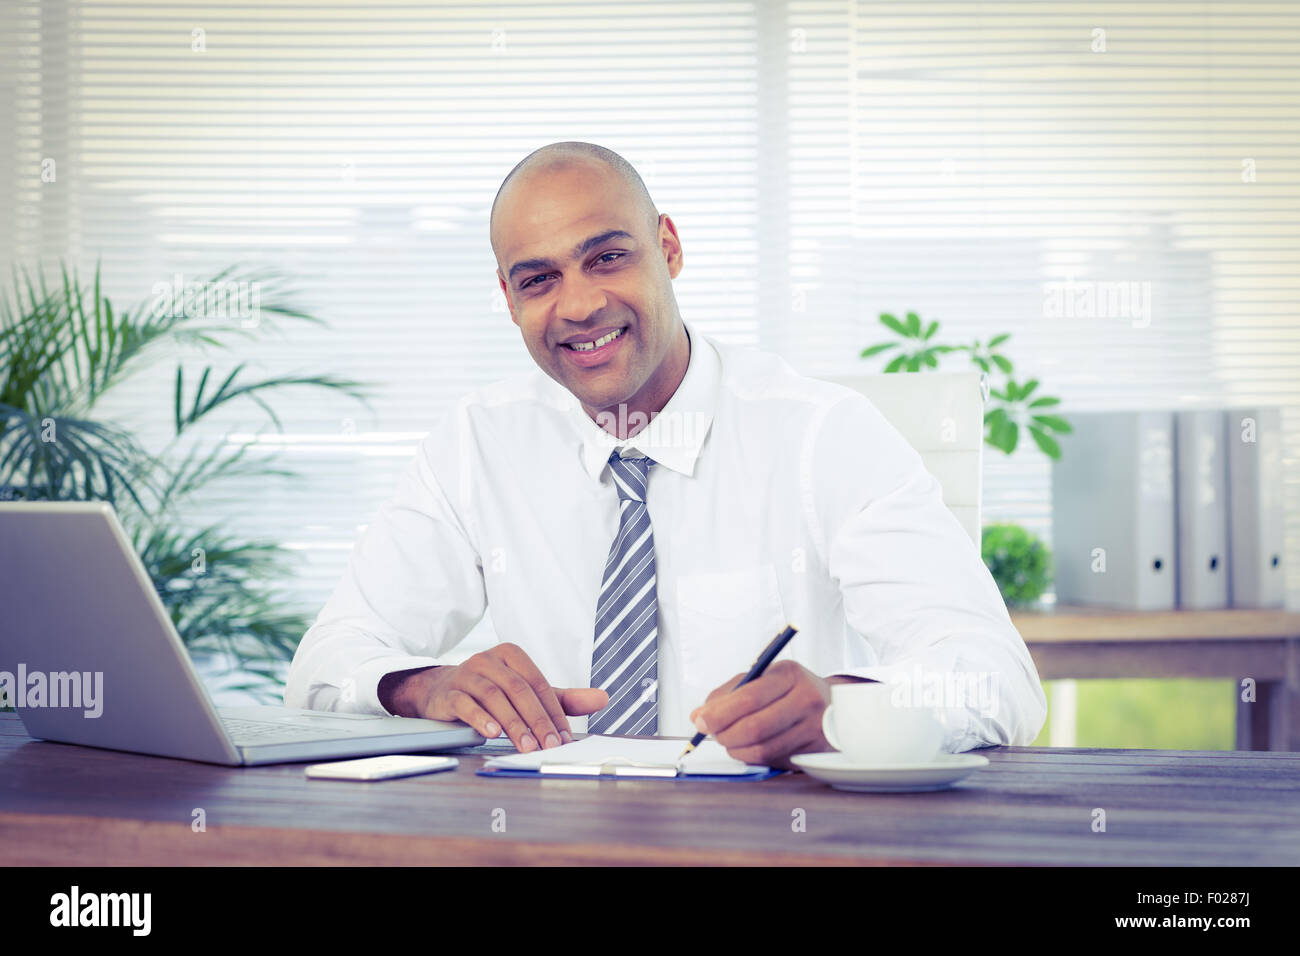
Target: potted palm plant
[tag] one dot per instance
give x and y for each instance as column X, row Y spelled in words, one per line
column 64, row 346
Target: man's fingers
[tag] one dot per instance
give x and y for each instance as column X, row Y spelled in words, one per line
column 582, row 700
column 523, row 716
column 775, row 750
column 726, row 688
column 758, row 726
column 518, row 661
column 732, row 703
column 717, row 692
column 492, row 699
column 466, row 708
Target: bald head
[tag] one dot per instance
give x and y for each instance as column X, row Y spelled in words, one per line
column 566, row 155
column 583, row 256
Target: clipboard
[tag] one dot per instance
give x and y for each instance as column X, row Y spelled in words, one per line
column 619, row 769
column 595, row 756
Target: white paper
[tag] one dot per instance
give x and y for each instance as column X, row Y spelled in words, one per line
column 710, row 757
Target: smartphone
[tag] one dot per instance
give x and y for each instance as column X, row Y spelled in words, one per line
column 381, row 768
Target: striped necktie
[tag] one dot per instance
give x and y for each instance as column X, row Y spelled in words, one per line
column 625, row 657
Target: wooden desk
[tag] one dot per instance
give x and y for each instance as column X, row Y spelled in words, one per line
column 1084, row 642
column 75, row 806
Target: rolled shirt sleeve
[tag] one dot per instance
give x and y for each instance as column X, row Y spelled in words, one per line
column 412, row 591
column 915, row 587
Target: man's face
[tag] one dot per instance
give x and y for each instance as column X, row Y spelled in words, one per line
column 577, row 259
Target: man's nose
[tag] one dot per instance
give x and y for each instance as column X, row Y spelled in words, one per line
column 580, row 298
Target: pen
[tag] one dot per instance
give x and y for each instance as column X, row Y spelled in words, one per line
column 760, row 665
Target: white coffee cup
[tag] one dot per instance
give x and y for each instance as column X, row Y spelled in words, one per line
column 868, row 725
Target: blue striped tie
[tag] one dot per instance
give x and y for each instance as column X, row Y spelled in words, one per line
column 625, row 658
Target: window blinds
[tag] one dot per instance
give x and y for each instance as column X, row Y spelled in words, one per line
column 824, row 162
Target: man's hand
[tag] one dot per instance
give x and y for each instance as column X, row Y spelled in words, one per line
column 771, row 717
column 496, row 688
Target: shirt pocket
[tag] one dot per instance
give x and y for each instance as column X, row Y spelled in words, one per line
column 725, row 619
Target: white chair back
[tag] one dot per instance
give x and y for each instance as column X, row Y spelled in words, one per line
column 941, row 414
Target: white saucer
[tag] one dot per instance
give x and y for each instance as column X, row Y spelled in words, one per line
column 843, row 773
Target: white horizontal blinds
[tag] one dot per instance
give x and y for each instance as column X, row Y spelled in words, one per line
column 18, row 33
column 824, row 161
column 357, row 146
column 20, row 131
column 1008, row 160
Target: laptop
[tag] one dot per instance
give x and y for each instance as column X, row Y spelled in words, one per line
column 88, row 655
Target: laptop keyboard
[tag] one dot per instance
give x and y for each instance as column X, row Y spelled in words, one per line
column 242, row 731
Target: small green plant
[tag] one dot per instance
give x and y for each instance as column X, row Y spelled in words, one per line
column 1012, row 406
column 1019, row 561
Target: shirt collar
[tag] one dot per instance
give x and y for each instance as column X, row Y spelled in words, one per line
column 673, row 438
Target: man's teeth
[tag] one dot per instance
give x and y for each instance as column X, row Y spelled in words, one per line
column 588, row 346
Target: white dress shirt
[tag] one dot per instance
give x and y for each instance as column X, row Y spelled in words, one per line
column 775, row 499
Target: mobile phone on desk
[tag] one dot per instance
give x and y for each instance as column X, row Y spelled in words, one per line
column 381, row 768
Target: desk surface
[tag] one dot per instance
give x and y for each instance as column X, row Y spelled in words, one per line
column 67, row 805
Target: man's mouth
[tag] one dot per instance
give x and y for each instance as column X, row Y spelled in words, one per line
column 596, row 344
column 598, row 352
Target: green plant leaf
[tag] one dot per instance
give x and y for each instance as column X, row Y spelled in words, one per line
column 999, row 339
column 1002, row 362
column 1044, row 402
column 877, row 349
column 1002, row 433
column 931, row 329
column 1045, row 441
column 913, row 325
column 896, row 363
column 892, row 323
column 229, row 390
column 1010, row 435
column 178, row 392
column 1027, row 388
column 1054, row 423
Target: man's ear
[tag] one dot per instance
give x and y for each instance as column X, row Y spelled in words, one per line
column 501, row 281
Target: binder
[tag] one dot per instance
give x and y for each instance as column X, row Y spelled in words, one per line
column 1201, row 492
column 1255, row 572
column 1113, row 511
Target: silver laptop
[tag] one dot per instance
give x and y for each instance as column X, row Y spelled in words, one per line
column 89, row 656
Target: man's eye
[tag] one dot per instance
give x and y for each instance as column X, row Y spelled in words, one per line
column 602, row 258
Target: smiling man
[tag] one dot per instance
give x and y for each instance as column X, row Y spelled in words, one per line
column 643, row 513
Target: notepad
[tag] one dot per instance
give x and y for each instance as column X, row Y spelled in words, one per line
column 640, row 756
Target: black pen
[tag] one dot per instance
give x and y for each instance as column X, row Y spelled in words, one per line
column 760, row 665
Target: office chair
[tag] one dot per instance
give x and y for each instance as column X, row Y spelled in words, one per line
column 941, row 414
